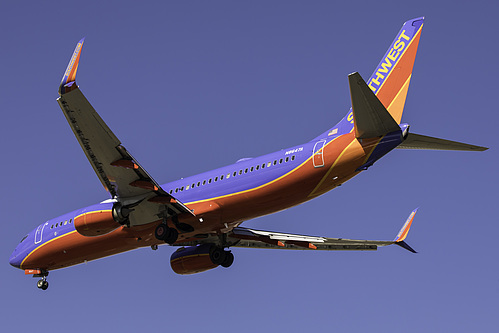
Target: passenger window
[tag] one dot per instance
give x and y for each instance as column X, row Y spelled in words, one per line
column 287, row 159
column 251, row 170
column 293, row 158
column 275, row 162
column 176, row 190
column 269, row 164
column 257, row 167
column 234, row 174
column 52, row 226
column 209, row 181
column 216, row 179
column 65, row 222
column 187, row 187
column 193, row 185
column 222, row 177
column 70, row 221
column 246, row 171
column 171, row 191
column 241, row 172
column 199, row 183
column 228, row 175
column 280, row 161
column 204, row 182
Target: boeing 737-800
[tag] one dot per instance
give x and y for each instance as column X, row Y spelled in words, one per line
column 202, row 214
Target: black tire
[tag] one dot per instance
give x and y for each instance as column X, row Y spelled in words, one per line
column 39, row 284
column 45, row 285
column 161, row 232
column 229, row 259
column 217, row 255
column 172, row 236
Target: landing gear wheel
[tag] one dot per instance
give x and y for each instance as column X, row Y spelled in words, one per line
column 42, row 284
column 229, row 259
column 172, row 237
column 217, row 255
column 161, row 231
column 165, row 233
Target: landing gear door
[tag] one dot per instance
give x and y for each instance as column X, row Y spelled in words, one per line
column 318, row 158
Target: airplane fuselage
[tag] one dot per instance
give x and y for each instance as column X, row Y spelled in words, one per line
column 221, row 199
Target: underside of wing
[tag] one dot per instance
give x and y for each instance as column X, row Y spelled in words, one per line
column 265, row 239
column 252, row 238
column 122, row 176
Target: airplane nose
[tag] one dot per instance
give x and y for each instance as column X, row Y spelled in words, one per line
column 15, row 259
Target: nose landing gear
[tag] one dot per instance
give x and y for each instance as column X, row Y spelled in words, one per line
column 42, row 283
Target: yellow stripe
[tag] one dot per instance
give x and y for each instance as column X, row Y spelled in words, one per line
column 94, row 211
column 407, row 48
column 261, row 186
column 331, row 168
column 39, row 247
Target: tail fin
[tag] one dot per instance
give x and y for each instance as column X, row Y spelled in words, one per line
column 390, row 80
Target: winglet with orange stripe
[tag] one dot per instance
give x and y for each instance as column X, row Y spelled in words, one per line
column 399, row 240
column 68, row 82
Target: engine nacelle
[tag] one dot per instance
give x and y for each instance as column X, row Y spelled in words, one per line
column 192, row 259
column 96, row 223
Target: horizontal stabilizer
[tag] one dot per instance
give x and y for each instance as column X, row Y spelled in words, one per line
column 417, row 141
column 371, row 119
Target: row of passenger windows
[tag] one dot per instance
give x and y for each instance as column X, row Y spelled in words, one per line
column 61, row 224
column 234, row 174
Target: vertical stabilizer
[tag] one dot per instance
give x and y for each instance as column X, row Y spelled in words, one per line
column 390, row 80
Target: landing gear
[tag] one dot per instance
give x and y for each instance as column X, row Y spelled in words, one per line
column 166, row 234
column 43, row 283
column 219, row 256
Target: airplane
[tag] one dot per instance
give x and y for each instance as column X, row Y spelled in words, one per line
column 202, row 214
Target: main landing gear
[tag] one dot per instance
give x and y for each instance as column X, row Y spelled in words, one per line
column 219, row 256
column 42, row 283
column 165, row 233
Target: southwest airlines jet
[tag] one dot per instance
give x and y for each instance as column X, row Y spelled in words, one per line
column 202, row 214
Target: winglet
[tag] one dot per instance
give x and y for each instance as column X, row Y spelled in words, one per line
column 68, row 80
column 399, row 240
column 371, row 119
column 405, row 229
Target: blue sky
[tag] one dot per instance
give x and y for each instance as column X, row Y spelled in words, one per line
column 191, row 86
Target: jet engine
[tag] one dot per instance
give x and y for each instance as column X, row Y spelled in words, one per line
column 192, row 259
column 95, row 223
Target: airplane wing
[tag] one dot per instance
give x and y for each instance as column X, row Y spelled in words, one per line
column 251, row 238
column 121, row 174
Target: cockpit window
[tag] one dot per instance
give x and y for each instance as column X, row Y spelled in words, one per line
column 22, row 240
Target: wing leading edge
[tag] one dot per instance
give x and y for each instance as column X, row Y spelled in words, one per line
column 121, row 174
